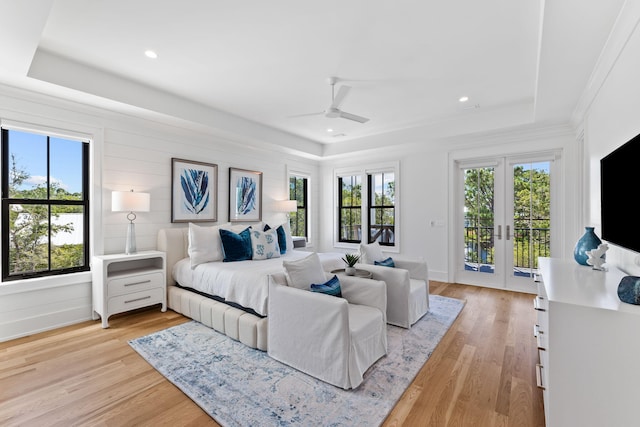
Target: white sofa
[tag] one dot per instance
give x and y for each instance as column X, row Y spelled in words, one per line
column 245, row 327
column 333, row 339
column 407, row 284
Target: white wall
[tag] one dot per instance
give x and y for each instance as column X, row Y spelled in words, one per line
column 130, row 152
column 613, row 117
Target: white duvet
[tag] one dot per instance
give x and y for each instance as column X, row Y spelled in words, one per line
column 242, row 282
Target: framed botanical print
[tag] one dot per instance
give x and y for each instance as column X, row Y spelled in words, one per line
column 245, row 195
column 194, row 191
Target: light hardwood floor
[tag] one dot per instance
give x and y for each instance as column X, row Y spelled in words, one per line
column 481, row 373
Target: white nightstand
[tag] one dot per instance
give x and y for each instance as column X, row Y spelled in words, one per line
column 125, row 282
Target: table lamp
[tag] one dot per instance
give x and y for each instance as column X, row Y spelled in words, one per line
column 128, row 201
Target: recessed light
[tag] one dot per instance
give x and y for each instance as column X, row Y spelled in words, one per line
column 463, row 99
column 150, row 54
column 329, row 130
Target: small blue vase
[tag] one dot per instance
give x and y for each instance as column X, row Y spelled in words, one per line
column 587, row 242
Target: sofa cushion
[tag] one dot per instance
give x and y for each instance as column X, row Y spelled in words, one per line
column 264, row 244
column 330, row 287
column 385, row 262
column 371, row 253
column 204, row 244
column 237, row 246
column 301, row 273
column 282, row 237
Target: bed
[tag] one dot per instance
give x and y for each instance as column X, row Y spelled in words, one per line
column 230, row 297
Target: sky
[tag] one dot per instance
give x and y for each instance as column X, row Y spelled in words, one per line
column 30, row 153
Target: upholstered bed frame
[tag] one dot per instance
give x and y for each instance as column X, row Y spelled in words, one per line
column 233, row 322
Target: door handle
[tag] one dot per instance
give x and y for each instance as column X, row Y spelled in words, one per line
column 508, row 236
column 499, row 234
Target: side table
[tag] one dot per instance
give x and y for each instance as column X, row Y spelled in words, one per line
column 125, row 282
column 359, row 273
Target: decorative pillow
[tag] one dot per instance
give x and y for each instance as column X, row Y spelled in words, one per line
column 386, row 263
column 331, row 287
column 301, row 273
column 265, row 244
column 204, row 244
column 282, row 237
column 237, row 247
column 371, row 253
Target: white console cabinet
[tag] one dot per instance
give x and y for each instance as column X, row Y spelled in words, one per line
column 125, row 282
column 589, row 347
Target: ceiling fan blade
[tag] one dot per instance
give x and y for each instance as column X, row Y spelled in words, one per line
column 353, row 117
column 339, row 98
column 306, row 114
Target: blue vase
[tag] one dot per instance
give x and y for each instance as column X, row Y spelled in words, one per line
column 587, row 242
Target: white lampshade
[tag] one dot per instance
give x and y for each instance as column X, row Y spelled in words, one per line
column 286, row 206
column 128, row 201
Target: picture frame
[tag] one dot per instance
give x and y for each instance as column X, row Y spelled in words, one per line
column 245, row 195
column 194, row 191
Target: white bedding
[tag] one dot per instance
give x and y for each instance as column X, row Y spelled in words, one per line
column 242, row 282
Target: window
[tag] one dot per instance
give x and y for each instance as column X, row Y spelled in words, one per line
column 45, row 204
column 299, row 219
column 349, row 208
column 367, row 208
column 381, row 208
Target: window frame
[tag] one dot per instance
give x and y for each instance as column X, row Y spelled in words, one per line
column 372, row 208
column 341, row 207
column 363, row 172
column 305, row 204
column 7, row 201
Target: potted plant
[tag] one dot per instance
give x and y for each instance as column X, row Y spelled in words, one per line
column 350, row 260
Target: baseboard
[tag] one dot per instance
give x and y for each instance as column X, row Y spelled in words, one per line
column 45, row 322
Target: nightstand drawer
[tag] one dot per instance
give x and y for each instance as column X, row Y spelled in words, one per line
column 134, row 283
column 134, row 300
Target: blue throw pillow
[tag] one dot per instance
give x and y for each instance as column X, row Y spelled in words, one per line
column 386, row 263
column 331, row 287
column 282, row 238
column 237, row 247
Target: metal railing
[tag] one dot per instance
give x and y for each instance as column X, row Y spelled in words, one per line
column 528, row 245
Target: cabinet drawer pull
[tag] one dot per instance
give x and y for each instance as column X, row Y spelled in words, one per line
column 536, row 304
column 539, row 376
column 537, row 331
column 138, row 299
column 536, row 277
column 138, row 283
column 540, row 347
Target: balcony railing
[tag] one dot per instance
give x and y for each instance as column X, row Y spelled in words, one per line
column 528, row 245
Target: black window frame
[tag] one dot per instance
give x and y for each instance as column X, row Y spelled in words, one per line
column 8, row 201
column 373, row 209
column 341, row 207
column 302, row 209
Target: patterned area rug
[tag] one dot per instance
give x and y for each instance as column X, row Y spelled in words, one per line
column 240, row 386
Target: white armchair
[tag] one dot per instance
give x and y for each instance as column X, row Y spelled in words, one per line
column 333, row 339
column 407, row 285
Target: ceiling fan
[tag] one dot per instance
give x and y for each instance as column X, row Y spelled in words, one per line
column 334, row 110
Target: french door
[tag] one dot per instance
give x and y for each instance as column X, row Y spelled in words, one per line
column 504, row 221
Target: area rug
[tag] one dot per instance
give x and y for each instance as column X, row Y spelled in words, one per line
column 240, row 386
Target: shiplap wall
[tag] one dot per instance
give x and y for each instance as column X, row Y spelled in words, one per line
column 130, row 153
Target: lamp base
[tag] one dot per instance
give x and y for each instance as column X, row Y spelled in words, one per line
column 131, row 239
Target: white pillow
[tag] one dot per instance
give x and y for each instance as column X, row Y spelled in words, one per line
column 204, row 244
column 265, row 244
column 371, row 252
column 301, row 273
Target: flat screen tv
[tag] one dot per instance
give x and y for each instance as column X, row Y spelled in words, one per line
column 619, row 172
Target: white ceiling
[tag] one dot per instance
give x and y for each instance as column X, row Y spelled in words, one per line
column 408, row 62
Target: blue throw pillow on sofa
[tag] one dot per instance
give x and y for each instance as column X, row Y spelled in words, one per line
column 386, row 262
column 282, row 238
column 236, row 246
column 331, row 287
